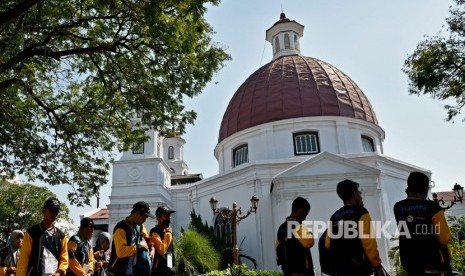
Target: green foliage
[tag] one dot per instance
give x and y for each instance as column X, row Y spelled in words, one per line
column 437, row 66
column 194, row 254
column 457, row 243
column 21, row 207
column 242, row 270
column 74, row 73
column 222, row 244
column 394, row 256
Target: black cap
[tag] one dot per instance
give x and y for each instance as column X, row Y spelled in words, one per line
column 86, row 222
column 142, row 207
column 52, row 203
column 162, row 210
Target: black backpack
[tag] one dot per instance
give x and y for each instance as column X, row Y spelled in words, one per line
column 327, row 258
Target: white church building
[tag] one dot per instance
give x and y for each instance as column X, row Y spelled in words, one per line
column 296, row 127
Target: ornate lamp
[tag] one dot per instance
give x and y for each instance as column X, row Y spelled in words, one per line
column 458, row 191
column 234, row 216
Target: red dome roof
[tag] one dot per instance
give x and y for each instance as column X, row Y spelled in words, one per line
column 293, row 87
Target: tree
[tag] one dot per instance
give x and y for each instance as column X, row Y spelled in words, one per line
column 437, row 66
column 21, row 207
column 74, row 73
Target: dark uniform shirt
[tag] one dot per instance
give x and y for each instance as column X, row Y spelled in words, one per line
column 423, row 235
column 297, row 257
column 355, row 254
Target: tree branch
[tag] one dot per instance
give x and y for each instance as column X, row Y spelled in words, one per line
column 17, row 10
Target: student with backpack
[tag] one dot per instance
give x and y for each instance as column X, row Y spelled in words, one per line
column 293, row 249
column 354, row 252
column 131, row 248
column 80, row 252
column 44, row 250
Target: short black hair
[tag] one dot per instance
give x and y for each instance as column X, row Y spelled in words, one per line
column 346, row 188
column 300, row 203
column 418, row 182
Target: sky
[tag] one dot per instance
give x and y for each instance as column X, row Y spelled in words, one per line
column 369, row 41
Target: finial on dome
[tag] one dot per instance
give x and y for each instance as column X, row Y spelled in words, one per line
column 282, row 16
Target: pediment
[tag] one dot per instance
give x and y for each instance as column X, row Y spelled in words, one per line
column 326, row 164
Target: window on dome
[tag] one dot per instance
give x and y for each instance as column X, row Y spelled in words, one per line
column 287, row 42
column 306, row 143
column 367, row 144
column 241, row 155
column 138, row 148
column 296, row 42
column 172, row 170
column 170, row 152
column 276, row 45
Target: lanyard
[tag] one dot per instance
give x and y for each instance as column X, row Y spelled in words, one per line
column 13, row 260
column 49, row 239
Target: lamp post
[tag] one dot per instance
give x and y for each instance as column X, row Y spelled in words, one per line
column 458, row 191
column 234, row 216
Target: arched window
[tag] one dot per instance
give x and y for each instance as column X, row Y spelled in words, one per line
column 296, row 42
column 367, row 144
column 276, row 45
column 287, row 42
column 306, row 143
column 172, row 170
column 170, row 152
column 223, row 228
column 241, row 155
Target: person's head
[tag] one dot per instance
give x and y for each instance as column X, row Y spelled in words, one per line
column 300, row 208
column 16, row 239
column 86, row 228
column 163, row 214
column 418, row 184
column 51, row 209
column 103, row 241
column 140, row 212
column 348, row 191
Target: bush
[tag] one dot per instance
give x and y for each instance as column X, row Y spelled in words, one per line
column 195, row 254
column 242, row 270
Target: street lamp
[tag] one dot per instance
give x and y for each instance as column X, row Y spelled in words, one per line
column 234, row 217
column 458, row 191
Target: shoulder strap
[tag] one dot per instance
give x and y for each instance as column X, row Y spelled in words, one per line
column 3, row 254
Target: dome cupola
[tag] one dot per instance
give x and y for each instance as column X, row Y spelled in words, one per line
column 284, row 36
column 293, row 86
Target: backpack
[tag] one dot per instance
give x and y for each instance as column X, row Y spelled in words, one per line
column 281, row 246
column 80, row 255
column 327, row 258
column 143, row 264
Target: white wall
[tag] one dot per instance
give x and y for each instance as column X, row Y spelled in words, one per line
column 337, row 135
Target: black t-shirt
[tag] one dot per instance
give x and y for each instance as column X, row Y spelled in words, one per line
column 348, row 249
column 418, row 241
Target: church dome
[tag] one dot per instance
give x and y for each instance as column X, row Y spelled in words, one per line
column 294, row 86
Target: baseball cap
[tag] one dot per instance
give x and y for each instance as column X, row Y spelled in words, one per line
column 85, row 222
column 143, row 207
column 162, row 210
column 52, row 203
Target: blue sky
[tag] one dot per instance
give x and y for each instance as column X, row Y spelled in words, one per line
column 369, row 41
